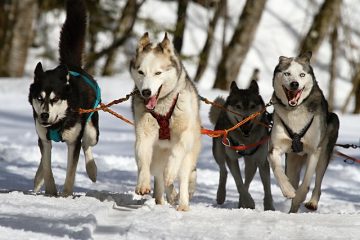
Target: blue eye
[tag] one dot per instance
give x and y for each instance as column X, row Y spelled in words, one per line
column 40, row 99
column 302, row 75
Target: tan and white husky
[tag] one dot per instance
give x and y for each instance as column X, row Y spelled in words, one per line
column 167, row 122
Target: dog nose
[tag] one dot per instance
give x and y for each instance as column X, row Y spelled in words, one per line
column 44, row 116
column 294, row 85
column 146, row 93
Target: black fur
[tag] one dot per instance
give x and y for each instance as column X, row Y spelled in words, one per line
column 75, row 90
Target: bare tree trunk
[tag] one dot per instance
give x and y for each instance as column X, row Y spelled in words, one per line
column 180, row 25
column 226, row 21
column 323, row 20
column 333, row 69
column 205, row 52
column 16, row 35
column 356, row 84
column 235, row 53
column 124, row 27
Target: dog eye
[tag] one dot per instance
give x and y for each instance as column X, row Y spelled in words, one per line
column 302, row 74
column 287, row 74
column 141, row 72
column 157, row 73
column 40, row 99
column 56, row 99
column 238, row 106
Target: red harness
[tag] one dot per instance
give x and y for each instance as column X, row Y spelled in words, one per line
column 164, row 121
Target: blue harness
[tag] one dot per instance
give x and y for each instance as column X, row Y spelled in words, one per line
column 54, row 134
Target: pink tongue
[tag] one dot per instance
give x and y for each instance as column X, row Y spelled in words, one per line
column 151, row 103
column 294, row 100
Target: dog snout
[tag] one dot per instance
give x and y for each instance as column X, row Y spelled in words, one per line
column 44, row 116
column 146, row 93
column 294, row 85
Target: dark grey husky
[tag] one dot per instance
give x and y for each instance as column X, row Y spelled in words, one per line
column 253, row 133
column 304, row 130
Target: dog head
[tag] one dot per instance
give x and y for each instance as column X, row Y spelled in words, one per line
column 155, row 69
column 48, row 94
column 245, row 102
column 293, row 79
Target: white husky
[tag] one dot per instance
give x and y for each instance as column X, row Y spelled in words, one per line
column 167, row 122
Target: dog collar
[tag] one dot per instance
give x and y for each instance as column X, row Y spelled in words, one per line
column 54, row 134
column 164, row 120
column 297, row 145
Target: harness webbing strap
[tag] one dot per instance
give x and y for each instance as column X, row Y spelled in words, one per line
column 297, row 145
column 54, row 134
column 164, row 120
column 94, row 86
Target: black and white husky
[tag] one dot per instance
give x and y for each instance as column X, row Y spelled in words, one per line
column 56, row 95
column 303, row 129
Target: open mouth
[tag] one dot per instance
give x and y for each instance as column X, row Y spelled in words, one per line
column 150, row 103
column 293, row 96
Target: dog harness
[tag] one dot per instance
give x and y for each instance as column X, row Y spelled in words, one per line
column 54, row 134
column 164, row 120
column 297, row 145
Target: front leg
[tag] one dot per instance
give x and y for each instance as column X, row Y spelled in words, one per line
column 304, row 187
column 143, row 155
column 44, row 171
column 274, row 158
column 73, row 158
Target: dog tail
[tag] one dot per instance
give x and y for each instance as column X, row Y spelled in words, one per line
column 215, row 111
column 72, row 37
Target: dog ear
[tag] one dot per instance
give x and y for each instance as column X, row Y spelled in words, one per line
column 306, row 56
column 166, row 44
column 233, row 86
column 64, row 72
column 284, row 59
column 38, row 69
column 143, row 42
column 254, row 87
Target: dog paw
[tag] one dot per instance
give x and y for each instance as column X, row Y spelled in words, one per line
column 159, row 201
column 311, row 206
column 51, row 191
column 248, row 203
column 143, row 189
column 221, row 196
column 183, row 208
column 66, row 194
column 91, row 170
column 288, row 190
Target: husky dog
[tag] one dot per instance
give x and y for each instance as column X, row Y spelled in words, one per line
column 167, row 122
column 252, row 134
column 56, row 95
column 303, row 129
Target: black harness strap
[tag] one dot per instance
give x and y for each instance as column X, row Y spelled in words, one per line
column 297, row 145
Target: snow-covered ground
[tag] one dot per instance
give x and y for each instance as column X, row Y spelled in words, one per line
column 109, row 209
